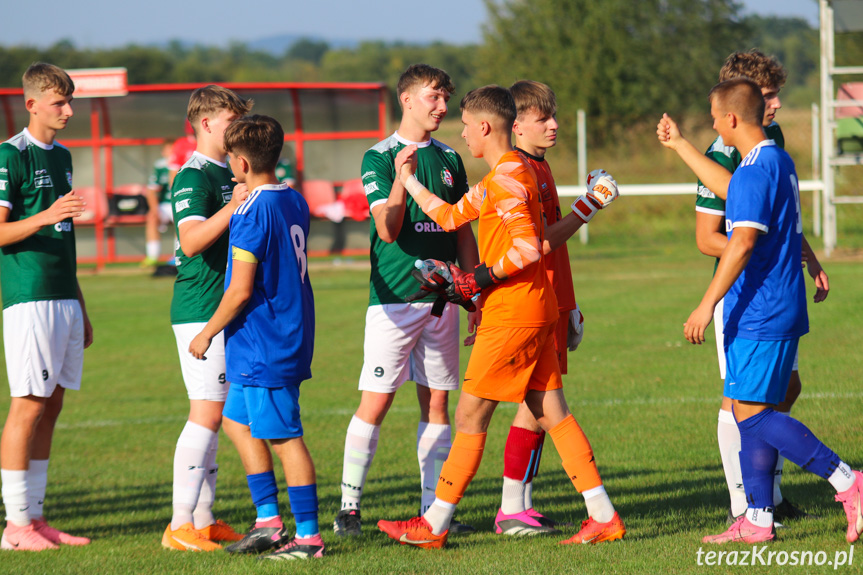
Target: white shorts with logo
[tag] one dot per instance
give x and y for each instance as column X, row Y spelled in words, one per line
column 404, row 341
column 44, row 343
column 204, row 378
column 166, row 213
column 719, row 326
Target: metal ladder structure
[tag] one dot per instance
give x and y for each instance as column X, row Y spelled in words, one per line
column 841, row 16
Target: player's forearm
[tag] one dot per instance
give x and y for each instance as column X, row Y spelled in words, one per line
column 715, row 177
column 14, row 232
column 230, row 307
column 447, row 216
column 559, row 232
column 466, row 248
column 196, row 236
column 812, row 263
column 711, row 244
column 81, row 298
column 389, row 216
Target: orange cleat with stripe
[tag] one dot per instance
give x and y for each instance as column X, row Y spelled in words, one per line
column 187, row 538
column 592, row 532
column 416, row 532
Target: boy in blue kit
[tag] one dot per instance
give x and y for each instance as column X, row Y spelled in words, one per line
column 267, row 313
column 760, row 276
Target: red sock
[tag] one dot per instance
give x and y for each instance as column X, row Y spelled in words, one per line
column 521, row 456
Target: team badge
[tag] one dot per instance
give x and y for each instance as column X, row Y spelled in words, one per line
column 446, row 177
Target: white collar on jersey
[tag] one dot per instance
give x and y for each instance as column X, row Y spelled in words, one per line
column 407, row 142
column 36, row 142
column 211, row 160
column 272, row 187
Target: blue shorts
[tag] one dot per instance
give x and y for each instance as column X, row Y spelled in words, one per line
column 270, row 412
column 758, row 370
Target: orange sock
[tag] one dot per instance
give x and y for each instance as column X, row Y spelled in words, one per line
column 577, row 456
column 457, row 472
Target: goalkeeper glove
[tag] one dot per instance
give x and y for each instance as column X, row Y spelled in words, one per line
column 601, row 191
column 466, row 285
column 575, row 330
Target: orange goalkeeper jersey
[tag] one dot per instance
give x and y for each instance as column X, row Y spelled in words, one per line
column 556, row 262
column 507, row 205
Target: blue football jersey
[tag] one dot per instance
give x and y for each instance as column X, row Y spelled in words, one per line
column 270, row 343
column 768, row 300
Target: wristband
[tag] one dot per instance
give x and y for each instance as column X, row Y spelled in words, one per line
column 484, row 276
column 584, row 208
column 413, row 186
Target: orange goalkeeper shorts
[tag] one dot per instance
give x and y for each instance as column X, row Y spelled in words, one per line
column 506, row 362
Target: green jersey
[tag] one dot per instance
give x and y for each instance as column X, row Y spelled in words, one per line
column 201, row 188
column 440, row 169
column 728, row 157
column 285, row 171
column 159, row 179
column 41, row 267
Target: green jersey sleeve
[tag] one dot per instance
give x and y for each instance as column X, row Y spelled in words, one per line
column 727, row 157
column 11, row 172
column 191, row 196
column 378, row 175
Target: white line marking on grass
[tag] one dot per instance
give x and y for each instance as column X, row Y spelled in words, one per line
column 505, row 406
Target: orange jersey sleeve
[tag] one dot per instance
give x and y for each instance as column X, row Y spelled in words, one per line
column 451, row 217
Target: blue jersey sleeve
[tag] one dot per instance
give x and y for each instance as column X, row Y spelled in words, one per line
column 247, row 232
column 750, row 199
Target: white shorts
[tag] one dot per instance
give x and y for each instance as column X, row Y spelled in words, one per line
column 719, row 326
column 166, row 215
column 404, row 341
column 44, row 346
column 205, row 379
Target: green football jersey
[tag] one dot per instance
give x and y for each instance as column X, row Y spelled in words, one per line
column 285, row 171
column 201, row 188
column 729, row 158
column 160, row 178
column 42, row 267
column 440, row 169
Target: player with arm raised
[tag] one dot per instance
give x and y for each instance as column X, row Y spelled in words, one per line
column 535, row 130
column 45, row 322
column 514, row 358
column 760, row 278
column 714, row 170
column 203, row 197
column 268, row 317
column 404, row 341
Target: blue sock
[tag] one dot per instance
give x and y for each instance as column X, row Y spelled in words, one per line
column 757, row 464
column 265, row 493
column 304, row 506
column 793, row 440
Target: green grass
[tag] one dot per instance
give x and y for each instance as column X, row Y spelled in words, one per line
column 646, row 399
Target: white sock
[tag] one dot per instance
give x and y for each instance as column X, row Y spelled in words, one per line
column 361, row 443
column 760, row 517
column 189, row 460
column 15, row 496
column 433, row 445
column 777, row 479
column 154, row 247
column 439, row 515
column 512, row 501
column 598, row 504
column 528, row 495
column 37, row 484
column 729, row 448
column 203, row 514
column 842, row 479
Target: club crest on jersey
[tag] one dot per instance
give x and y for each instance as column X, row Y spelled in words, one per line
column 446, row 177
column 69, row 177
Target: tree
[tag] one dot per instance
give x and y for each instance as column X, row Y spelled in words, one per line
column 619, row 60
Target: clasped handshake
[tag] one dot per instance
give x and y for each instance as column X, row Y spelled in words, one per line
column 450, row 283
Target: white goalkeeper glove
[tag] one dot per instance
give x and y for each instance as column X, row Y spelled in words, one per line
column 575, row 331
column 601, row 191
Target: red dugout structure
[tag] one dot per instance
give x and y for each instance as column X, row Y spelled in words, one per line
column 114, row 141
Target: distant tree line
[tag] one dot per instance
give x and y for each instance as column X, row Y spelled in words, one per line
column 621, row 61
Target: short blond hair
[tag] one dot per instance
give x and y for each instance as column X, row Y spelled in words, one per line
column 531, row 95
column 212, row 99
column 41, row 77
column 766, row 71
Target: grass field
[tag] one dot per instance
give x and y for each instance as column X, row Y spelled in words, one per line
column 647, row 400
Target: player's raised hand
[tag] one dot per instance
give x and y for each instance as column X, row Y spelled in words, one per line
column 66, row 206
column 240, row 193
column 668, row 132
column 601, row 188
column 406, row 162
column 696, row 325
column 199, row 346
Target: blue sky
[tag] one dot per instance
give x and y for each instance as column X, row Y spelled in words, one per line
column 102, row 23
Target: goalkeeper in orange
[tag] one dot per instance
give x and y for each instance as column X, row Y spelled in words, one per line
column 514, row 358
